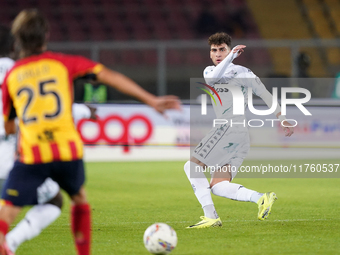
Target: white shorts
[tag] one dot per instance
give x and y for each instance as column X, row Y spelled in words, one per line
column 46, row 191
column 224, row 145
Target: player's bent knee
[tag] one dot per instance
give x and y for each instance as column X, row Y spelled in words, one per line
column 9, row 212
column 215, row 181
column 57, row 200
column 80, row 197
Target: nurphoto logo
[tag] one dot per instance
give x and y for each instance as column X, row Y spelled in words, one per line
column 238, row 103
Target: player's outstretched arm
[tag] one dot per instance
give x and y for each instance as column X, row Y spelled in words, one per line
column 129, row 87
column 217, row 73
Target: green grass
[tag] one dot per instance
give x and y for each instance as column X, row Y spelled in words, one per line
column 128, row 197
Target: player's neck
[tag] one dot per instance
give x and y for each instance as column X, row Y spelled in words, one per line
column 28, row 53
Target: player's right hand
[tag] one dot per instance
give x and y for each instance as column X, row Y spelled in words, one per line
column 163, row 103
column 287, row 128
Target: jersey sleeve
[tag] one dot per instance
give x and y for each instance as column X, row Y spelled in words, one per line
column 80, row 66
column 5, row 65
column 8, row 110
column 207, row 73
column 254, row 83
column 213, row 74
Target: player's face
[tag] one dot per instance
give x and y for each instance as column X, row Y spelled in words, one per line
column 218, row 53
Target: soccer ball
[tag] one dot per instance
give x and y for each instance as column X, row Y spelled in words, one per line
column 160, row 238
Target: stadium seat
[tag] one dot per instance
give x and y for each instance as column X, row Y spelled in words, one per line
column 149, row 57
column 108, row 57
column 335, row 14
column 129, row 57
column 6, row 19
column 120, row 34
column 96, row 30
column 174, row 57
column 66, row 4
column 57, row 34
column 192, row 57
column 176, row 17
column 321, row 25
column 333, row 55
column 294, row 27
column 119, row 20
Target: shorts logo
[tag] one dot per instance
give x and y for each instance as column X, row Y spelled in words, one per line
column 230, row 144
column 12, row 192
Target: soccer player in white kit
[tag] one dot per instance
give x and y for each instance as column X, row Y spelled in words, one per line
column 226, row 146
column 7, row 143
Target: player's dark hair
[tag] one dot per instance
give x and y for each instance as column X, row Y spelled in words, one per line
column 6, row 41
column 220, row 38
column 29, row 29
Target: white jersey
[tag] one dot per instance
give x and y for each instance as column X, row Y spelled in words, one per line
column 7, row 144
column 5, row 65
column 240, row 78
column 223, row 144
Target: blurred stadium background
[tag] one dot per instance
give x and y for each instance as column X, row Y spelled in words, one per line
column 161, row 44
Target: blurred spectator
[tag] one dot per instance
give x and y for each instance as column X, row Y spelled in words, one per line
column 87, row 90
column 95, row 93
column 303, row 62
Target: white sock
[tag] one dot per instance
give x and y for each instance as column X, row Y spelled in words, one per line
column 210, row 212
column 201, row 188
column 255, row 197
column 234, row 191
column 36, row 219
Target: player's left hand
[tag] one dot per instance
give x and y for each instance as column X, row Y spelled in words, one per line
column 163, row 103
column 238, row 49
column 287, row 128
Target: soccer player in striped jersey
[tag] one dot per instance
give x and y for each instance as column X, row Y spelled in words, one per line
column 40, row 216
column 49, row 209
column 225, row 146
column 38, row 89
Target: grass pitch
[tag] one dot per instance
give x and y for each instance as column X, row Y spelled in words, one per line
column 128, row 197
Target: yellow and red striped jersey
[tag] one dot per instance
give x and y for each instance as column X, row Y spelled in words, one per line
column 40, row 88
